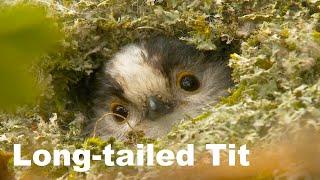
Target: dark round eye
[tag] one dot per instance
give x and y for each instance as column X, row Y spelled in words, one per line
column 189, row 82
column 120, row 113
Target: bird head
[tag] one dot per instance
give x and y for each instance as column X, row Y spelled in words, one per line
column 152, row 85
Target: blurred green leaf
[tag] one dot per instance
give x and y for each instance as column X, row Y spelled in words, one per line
column 26, row 33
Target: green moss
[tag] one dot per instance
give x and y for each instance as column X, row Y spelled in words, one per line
column 235, row 96
column 137, row 137
column 95, row 145
column 316, row 36
column 285, row 33
column 291, row 46
column 264, row 63
column 201, row 117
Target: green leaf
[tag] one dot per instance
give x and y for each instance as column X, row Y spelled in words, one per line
column 26, row 33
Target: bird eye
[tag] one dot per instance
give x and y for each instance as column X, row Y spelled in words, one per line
column 120, row 113
column 188, row 82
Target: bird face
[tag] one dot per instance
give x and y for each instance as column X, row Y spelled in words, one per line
column 152, row 85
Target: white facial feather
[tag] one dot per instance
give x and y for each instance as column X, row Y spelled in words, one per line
column 138, row 78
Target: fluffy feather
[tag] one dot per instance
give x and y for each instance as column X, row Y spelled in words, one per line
column 151, row 69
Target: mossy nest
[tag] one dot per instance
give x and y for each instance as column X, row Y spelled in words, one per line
column 273, row 47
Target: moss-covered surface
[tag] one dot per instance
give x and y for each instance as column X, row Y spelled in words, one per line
column 274, row 51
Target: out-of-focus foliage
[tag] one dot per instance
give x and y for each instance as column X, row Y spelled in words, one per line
column 25, row 35
column 274, row 47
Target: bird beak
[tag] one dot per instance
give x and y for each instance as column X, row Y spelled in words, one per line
column 157, row 107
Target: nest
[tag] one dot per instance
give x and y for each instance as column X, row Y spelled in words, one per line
column 274, row 52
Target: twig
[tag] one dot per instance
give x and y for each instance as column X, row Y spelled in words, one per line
column 107, row 114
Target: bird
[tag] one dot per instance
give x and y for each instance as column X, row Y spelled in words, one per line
column 151, row 85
